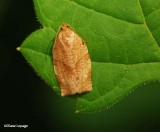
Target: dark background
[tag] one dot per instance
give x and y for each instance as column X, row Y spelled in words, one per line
column 26, row 99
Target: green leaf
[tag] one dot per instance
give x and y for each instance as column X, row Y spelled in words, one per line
column 122, row 38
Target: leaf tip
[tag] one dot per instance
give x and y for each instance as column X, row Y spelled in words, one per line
column 18, row 48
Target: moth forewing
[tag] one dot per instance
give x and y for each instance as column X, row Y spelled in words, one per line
column 72, row 64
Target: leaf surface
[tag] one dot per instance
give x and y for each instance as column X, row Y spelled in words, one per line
column 122, row 38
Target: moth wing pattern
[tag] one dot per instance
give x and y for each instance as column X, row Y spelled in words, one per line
column 72, row 64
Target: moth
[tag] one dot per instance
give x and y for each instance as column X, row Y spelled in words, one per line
column 72, row 64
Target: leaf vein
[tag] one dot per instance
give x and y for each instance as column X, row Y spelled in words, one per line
column 145, row 23
column 153, row 12
column 94, row 10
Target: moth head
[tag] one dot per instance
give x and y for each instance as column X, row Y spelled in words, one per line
column 64, row 27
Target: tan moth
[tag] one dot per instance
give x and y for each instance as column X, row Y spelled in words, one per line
column 72, row 64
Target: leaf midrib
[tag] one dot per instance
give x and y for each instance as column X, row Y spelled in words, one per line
column 93, row 61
